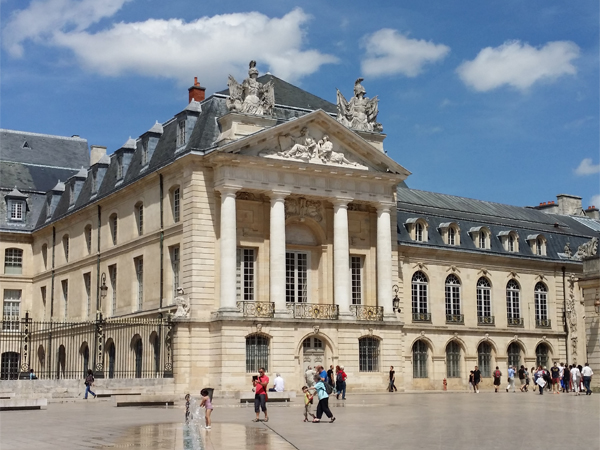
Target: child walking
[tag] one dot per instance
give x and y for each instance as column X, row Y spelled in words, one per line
column 308, row 400
column 207, row 405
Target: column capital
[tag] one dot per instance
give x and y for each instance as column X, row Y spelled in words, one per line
column 384, row 206
column 341, row 202
column 227, row 189
column 276, row 195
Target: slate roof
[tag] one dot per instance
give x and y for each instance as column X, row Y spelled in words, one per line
column 438, row 209
column 290, row 95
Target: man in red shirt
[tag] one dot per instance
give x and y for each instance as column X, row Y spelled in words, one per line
column 260, row 394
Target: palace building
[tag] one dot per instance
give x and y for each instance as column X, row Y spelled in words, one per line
column 295, row 241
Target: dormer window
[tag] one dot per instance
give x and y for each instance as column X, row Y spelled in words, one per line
column 181, row 133
column 510, row 240
column 119, row 167
column 417, row 228
column 17, row 210
column 145, row 152
column 481, row 237
column 537, row 243
column 94, row 187
column 450, row 233
column 72, row 194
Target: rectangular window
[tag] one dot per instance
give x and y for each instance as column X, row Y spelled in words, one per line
column 17, row 210
column 175, row 268
column 113, row 228
column 87, row 283
column 368, row 354
column 66, row 247
column 296, row 275
column 65, row 292
column 112, row 273
column 482, row 240
column 139, row 273
column 181, row 133
column 88, row 238
column 72, row 193
column 356, row 269
column 11, row 309
column 451, row 236
column 140, row 219
column 13, row 261
column 484, row 303
column 245, row 271
column 176, row 207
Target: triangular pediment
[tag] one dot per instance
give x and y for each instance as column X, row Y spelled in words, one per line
column 316, row 139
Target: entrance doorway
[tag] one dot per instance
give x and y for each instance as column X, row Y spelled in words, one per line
column 314, row 352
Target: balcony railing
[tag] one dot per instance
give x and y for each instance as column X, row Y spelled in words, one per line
column 455, row 318
column 256, row 309
column 421, row 317
column 364, row 312
column 486, row 320
column 515, row 321
column 542, row 323
column 313, row 311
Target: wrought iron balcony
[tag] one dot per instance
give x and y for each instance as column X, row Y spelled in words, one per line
column 364, row 312
column 455, row 318
column 515, row 321
column 542, row 323
column 421, row 317
column 256, row 309
column 486, row 320
column 313, row 311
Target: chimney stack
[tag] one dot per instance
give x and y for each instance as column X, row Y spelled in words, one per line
column 196, row 91
column 96, row 152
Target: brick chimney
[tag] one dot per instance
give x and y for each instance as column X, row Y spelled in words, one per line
column 196, row 91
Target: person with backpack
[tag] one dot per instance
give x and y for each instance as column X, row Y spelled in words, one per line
column 497, row 375
column 321, row 389
column 340, row 382
column 89, row 382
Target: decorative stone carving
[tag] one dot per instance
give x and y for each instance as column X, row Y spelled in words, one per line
column 245, row 196
column 370, row 330
column 259, row 327
column 590, row 248
column 571, row 314
column 316, row 329
column 302, row 208
column 487, row 336
column 483, row 271
column 454, row 269
column 360, row 113
column 358, row 207
column 420, row 265
column 306, row 148
column 183, row 305
column 567, row 250
column 251, row 97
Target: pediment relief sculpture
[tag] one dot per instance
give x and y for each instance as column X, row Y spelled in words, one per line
column 589, row 248
column 306, row 148
column 360, row 113
column 302, row 207
column 251, row 97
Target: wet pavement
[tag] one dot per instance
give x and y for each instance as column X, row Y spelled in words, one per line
column 379, row 421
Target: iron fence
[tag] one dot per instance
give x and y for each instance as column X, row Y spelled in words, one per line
column 111, row 348
column 313, row 311
column 364, row 312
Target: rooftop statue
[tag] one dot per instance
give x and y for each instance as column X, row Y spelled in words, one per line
column 360, row 113
column 251, row 97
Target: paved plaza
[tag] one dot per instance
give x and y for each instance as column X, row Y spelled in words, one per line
column 378, row 421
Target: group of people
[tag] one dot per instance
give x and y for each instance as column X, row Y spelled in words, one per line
column 560, row 378
column 336, row 378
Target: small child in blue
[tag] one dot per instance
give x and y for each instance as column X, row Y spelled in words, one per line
column 207, row 405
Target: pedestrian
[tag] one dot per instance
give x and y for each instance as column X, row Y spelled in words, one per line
column 522, row 377
column 32, row 375
column 476, row 379
column 308, row 401
column 309, row 375
column 534, row 376
column 555, row 375
column 580, row 367
column 392, row 387
column 323, row 405
column 89, row 382
column 471, row 381
column 561, row 369
column 511, row 379
column 587, row 373
column 322, row 373
column 278, row 384
column 260, row 384
column 547, row 378
column 497, row 375
column 540, row 381
column 330, row 377
column 206, row 402
column 567, row 379
column 340, row 382
column 526, row 379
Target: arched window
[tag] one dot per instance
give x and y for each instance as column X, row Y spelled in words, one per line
column 112, row 355
column 420, row 359
column 541, row 305
column 419, row 297
column 419, row 232
column 513, row 308
column 484, row 359
column 13, row 261
column 9, row 366
column 512, row 243
column 112, row 223
column 514, row 355
column 368, row 354
column 257, row 353
column 453, row 360
column 484, row 302
column 540, row 247
column 453, row 300
column 541, row 355
column 138, row 352
column 139, row 218
column 88, row 238
column 451, row 236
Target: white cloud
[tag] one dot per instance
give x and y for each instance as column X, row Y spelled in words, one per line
column 595, row 201
column 394, row 53
column 587, row 168
column 44, row 17
column 518, row 65
column 210, row 47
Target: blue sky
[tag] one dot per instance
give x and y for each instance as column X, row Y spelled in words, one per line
column 495, row 100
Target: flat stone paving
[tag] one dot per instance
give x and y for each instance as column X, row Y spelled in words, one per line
column 378, row 421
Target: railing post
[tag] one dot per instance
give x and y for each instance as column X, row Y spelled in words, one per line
column 25, row 353
column 168, row 323
column 99, row 348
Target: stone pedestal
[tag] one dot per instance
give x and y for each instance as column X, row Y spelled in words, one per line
column 236, row 125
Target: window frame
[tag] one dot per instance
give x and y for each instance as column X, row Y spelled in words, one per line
column 176, row 203
column 112, row 276
column 113, row 224
column 65, row 294
column 420, row 293
column 357, row 279
column 484, row 298
column 175, row 253
column 300, row 290
column 87, row 232
column 368, row 354
column 87, row 285
column 513, row 297
column 484, row 359
column 453, row 359
column 17, row 210
column 139, row 218
column 541, row 301
column 452, row 295
column 13, row 261
column 11, row 309
column 139, row 275
column 420, row 359
column 66, row 245
column 257, row 352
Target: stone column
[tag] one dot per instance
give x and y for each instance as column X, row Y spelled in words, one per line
column 277, row 252
column 341, row 256
column 384, row 258
column 228, row 249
